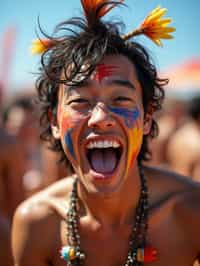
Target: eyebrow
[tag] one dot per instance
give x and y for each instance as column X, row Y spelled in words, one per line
column 75, row 86
column 122, row 82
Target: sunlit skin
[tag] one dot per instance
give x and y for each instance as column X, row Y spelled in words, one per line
column 110, row 94
column 108, row 110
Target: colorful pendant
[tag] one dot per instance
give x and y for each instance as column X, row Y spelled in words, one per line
column 68, row 253
column 147, row 254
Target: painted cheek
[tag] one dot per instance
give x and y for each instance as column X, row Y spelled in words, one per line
column 135, row 140
column 135, row 132
column 68, row 142
column 69, row 127
column 66, row 134
column 130, row 116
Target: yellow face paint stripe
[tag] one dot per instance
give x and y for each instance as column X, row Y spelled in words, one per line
column 135, row 140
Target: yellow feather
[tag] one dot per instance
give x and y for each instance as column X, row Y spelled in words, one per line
column 166, row 36
column 158, row 30
column 164, row 22
column 156, row 16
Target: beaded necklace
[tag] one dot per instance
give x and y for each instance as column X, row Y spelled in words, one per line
column 138, row 252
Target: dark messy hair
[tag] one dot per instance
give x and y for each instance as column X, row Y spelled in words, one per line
column 78, row 44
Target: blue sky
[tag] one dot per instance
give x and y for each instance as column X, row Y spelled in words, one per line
column 23, row 14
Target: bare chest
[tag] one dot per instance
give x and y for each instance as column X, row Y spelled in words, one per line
column 111, row 248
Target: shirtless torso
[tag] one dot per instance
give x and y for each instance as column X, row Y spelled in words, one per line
column 174, row 221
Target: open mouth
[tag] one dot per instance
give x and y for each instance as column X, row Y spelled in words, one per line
column 104, row 156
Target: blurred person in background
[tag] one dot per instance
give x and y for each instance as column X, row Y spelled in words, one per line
column 35, row 160
column 52, row 168
column 19, row 155
column 183, row 149
column 11, row 192
column 170, row 118
column 24, row 161
column 5, row 222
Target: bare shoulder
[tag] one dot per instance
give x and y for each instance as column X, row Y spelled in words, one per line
column 37, row 220
column 44, row 204
column 168, row 185
column 163, row 181
column 182, row 193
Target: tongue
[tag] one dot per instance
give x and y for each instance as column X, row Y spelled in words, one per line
column 103, row 160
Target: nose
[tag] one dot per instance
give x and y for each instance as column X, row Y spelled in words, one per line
column 101, row 118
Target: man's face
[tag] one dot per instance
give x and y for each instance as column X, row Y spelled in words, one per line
column 101, row 125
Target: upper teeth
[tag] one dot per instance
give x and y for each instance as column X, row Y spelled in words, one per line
column 103, row 144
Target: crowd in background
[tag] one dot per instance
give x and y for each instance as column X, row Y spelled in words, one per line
column 27, row 165
column 177, row 146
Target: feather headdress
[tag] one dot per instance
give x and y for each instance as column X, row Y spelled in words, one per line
column 154, row 26
column 94, row 10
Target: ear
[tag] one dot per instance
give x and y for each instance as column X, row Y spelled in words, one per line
column 55, row 131
column 147, row 123
column 54, row 125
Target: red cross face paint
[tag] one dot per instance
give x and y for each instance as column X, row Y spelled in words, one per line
column 103, row 70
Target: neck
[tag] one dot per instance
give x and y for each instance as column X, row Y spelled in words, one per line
column 117, row 208
column 139, row 229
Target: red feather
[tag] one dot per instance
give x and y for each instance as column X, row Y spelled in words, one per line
column 95, row 9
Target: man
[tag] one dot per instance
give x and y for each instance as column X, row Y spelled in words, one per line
column 20, row 122
column 187, row 136
column 98, row 93
column 170, row 119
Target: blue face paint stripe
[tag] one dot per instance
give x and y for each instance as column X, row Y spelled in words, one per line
column 69, row 144
column 130, row 116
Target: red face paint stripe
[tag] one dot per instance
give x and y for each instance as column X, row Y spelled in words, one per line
column 104, row 71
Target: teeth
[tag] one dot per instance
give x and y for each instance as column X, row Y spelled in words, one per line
column 106, row 144
column 103, row 144
column 116, row 144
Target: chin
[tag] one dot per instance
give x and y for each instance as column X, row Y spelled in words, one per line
column 102, row 185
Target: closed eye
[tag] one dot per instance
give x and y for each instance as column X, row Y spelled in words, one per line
column 78, row 100
column 122, row 98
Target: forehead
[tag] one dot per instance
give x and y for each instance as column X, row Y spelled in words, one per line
column 112, row 68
